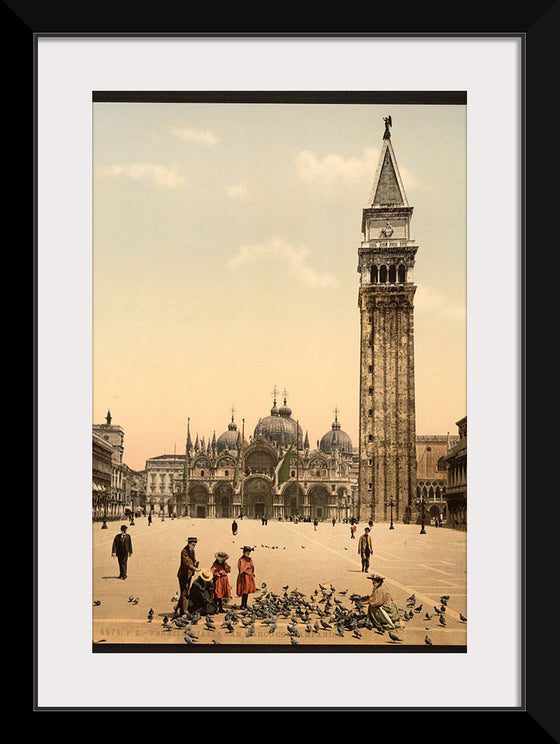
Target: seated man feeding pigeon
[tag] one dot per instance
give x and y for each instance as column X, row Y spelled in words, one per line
column 382, row 611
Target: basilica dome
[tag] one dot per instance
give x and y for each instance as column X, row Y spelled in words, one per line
column 280, row 427
column 230, row 439
column 336, row 437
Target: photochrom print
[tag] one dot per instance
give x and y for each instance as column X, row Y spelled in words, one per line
column 279, row 440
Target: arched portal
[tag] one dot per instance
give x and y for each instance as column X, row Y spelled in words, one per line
column 292, row 499
column 257, row 497
column 318, row 502
column 198, row 501
column 223, row 500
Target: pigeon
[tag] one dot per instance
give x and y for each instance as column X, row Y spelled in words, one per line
column 215, row 642
column 96, row 603
column 428, row 641
column 165, row 620
column 293, row 641
column 445, row 598
column 356, row 634
column 131, row 599
column 135, row 601
column 442, row 620
column 308, row 628
column 412, row 598
column 263, row 585
column 428, row 616
column 285, row 588
column 272, row 628
column 188, row 639
column 339, row 631
column 463, row 618
column 394, row 637
column 418, row 609
column 251, row 631
column 326, row 626
column 437, row 611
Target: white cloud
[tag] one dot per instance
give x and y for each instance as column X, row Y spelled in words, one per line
column 162, row 176
column 237, row 192
column 331, row 168
column 290, row 257
column 429, row 300
column 188, row 134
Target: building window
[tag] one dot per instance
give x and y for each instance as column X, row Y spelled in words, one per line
column 370, row 391
column 226, row 473
column 370, row 486
column 293, row 474
column 370, row 412
column 370, row 368
column 370, row 461
column 370, row 437
column 202, row 473
column 318, row 473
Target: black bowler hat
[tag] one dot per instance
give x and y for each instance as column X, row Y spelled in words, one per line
column 192, row 539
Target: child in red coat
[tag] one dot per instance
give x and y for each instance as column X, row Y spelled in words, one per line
column 220, row 570
column 246, row 578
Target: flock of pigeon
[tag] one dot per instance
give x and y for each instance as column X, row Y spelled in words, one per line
column 293, row 615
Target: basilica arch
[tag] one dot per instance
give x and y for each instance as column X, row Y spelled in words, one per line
column 198, row 500
column 258, row 497
column 223, row 500
column 260, row 458
column 293, row 501
column 319, row 502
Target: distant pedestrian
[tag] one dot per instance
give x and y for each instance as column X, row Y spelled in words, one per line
column 187, row 569
column 122, row 548
column 353, row 529
column 222, row 589
column 365, row 549
column 246, row 576
column 382, row 611
column 315, row 523
column 333, row 521
column 370, row 523
column 234, row 528
column 149, row 519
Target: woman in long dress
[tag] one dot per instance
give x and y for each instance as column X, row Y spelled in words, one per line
column 246, row 576
column 220, row 570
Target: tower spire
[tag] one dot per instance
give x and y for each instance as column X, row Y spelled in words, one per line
column 386, row 257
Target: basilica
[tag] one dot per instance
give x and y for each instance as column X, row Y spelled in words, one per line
column 233, row 475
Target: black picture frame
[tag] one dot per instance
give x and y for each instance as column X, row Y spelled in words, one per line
column 537, row 25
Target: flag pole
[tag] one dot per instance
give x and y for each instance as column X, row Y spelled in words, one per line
column 186, row 468
column 242, row 461
column 297, row 460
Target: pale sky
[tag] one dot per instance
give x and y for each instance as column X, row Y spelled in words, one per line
column 225, row 259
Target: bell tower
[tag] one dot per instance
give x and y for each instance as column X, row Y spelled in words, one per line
column 387, row 449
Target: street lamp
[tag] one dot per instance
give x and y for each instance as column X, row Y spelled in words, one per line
column 104, row 525
column 391, row 526
column 421, row 501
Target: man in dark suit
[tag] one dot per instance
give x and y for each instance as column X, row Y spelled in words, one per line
column 187, row 568
column 122, row 548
